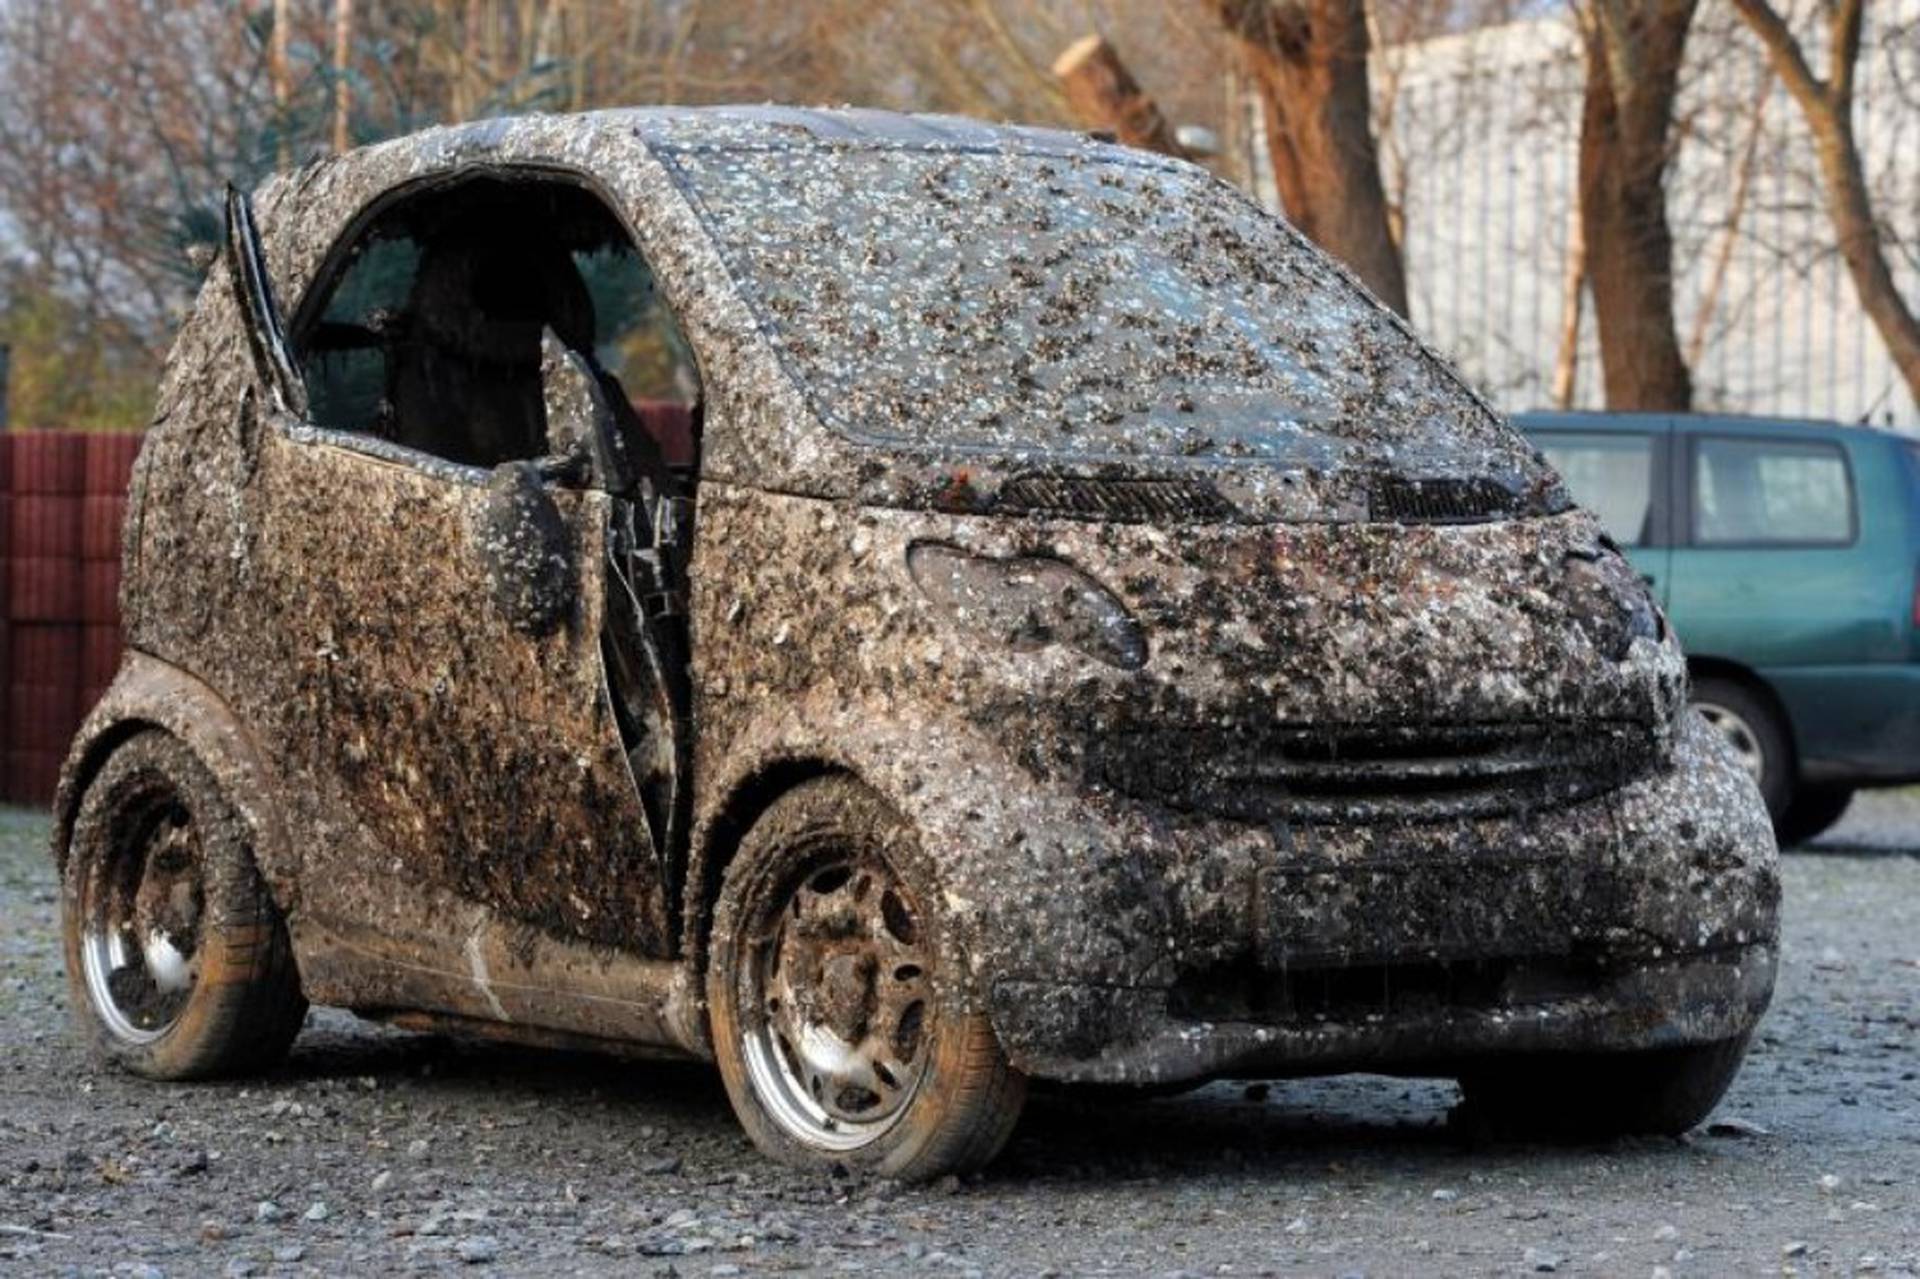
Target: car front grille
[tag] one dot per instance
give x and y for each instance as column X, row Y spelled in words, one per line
column 1338, row 776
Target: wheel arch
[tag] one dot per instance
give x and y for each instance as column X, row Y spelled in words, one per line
column 1699, row 668
column 151, row 694
column 717, row 839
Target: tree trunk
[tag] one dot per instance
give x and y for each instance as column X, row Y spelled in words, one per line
column 1828, row 107
column 1103, row 94
column 1634, row 51
column 1309, row 60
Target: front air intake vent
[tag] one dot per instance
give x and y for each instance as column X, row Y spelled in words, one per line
column 1154, row 501
column 1441, row 501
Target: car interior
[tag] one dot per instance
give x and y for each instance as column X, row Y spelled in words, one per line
column 427, row 332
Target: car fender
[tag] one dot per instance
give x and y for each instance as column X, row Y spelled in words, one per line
column 1031, row 877
column 148, row 692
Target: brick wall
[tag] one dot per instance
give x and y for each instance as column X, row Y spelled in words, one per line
column 63, row 498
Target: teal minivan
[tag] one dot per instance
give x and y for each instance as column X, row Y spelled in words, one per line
column 1787, row 556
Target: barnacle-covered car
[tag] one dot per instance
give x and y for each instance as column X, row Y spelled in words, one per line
column 899, row 607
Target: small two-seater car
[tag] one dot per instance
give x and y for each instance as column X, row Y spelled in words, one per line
column 899, row 607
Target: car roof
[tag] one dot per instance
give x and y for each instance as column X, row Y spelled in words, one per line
column 1562, row 419
column 781, row 127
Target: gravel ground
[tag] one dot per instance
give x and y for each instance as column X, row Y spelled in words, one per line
column 372, row 1150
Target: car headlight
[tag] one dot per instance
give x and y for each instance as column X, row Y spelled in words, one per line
column 1612, row 605
column 1028, row 603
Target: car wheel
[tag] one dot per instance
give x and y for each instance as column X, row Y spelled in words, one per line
column 842, row 1016
column 1589, row 1096
column 177, row 961
column 1756, row 734
column 1812, row 810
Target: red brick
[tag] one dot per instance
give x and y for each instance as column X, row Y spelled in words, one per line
column 44, row 590
column 109, row 461
column 32, row 775
column 101, row 518
column 46, row 654
column 99, row 655
column 100, row 591
column 49, row 462
column 44, row 524
column 42, row 717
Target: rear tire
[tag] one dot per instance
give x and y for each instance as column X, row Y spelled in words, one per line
column 1747, row 719
column 1590, row 1096
column 178, row 964
column 1813, row 810
column 842, row 1018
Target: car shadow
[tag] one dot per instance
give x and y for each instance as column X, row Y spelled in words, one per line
column 1233, row 1129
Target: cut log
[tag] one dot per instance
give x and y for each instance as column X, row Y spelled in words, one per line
column 1106, row 97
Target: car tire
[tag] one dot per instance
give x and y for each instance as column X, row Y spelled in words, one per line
column 1747, row 719
column 1594, row 1096
column 178, row 962
column 1813, row 810
column 843, row 1019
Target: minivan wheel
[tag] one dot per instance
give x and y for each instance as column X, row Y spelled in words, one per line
column 1812, row 811
column 177, row 961
column 1756, row 734
column 1592, row 1096
column 841, row 1015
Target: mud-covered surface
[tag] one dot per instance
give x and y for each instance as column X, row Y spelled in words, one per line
column 420, row 1154
column 1427, row 711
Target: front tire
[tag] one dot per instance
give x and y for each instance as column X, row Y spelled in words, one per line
column 1812, row 811
column 1592, row 1096
column 842, row 1016
column 178, row 964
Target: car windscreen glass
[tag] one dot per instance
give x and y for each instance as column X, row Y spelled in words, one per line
column 1037, row 303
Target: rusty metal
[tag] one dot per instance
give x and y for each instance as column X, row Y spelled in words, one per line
column 1388, row 764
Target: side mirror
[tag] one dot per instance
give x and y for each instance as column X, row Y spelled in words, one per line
column 583, row 435
column 526, row 548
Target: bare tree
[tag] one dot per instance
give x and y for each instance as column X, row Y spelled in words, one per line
column 1308, row 59
column 1827, row 104
column 1634, row 54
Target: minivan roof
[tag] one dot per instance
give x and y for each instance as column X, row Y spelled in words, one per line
column 1598, row 420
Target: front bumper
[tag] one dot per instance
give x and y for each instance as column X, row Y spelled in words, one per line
column 1640, row 918
column 1149, row 1038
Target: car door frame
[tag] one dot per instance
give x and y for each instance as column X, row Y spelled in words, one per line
column 487, row 963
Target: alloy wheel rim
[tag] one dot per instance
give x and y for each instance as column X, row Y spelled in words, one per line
column 839, row 1005
column 1739, row 735
column 142, row 910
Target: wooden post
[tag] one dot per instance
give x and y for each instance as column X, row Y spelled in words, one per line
column 1104, row 94
column 6, row 363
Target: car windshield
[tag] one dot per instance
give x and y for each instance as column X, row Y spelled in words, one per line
column 1062, row 304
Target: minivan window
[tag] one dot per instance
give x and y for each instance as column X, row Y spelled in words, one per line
column 1023, row 303
column 1609, row 474
column 1776, row 492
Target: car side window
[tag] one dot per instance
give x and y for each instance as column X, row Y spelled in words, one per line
column 428, row 330
column 1611, row 474
column 1774, row 492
